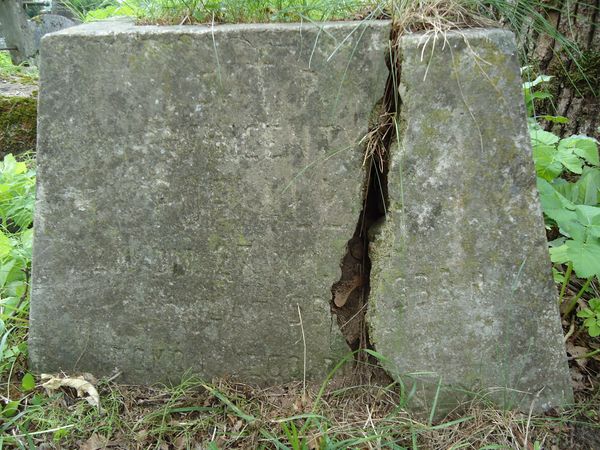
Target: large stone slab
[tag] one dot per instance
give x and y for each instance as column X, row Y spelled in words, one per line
column 165, row 239
column 462, row 295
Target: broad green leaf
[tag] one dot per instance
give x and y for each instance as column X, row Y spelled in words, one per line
column 586, row 313
column 16, row 289
column 587, row 148
column 9, row 305
column 5, row 269
column 560, row 254
column 586, row 189
column 569, row 159
column 28, row 382
column 558, row 276
column 37, row 400
column 8, row 165
column 541, row 95
column 585, row 257
column 557, row 242
column 569, row 225
column 555, row 119
column 583, row 146
column 17, row 272
column 27, row 242
column 20, row 168
column 547, row 164
column 568, row 190
column 593, row 327
column 539, row 136
column 595, row 304
column 552, row 198
column 561, row 210
column 11, row 409
column 589, row 216
column 5, row 245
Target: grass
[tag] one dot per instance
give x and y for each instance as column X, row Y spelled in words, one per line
column 407, row 15
column 229, row 415
column 16, row 74
column 238, row 11
column 224, row 11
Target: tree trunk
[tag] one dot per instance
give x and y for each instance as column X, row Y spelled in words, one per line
column 576, row 86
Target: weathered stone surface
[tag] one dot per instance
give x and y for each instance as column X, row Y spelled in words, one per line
column 461, row 284
column 164, row 238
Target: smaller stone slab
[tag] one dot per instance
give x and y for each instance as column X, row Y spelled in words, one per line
column 462, row 297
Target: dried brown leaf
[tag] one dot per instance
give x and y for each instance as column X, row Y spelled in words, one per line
column 95, row 442
column 79, row 383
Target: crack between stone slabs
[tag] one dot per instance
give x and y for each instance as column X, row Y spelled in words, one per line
column 350, row 294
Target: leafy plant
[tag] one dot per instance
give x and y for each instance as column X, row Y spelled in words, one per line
column 530, row 94
column 553, row 155
column 17, row 190
column 219, row 11
column 568, row 181
column 592, row 317
column 81, row 8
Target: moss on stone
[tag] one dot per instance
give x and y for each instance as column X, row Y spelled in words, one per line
column 18, row 123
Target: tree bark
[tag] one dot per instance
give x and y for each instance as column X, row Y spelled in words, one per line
column 576, row 83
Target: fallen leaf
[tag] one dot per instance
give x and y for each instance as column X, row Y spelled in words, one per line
column 180, row 443
column 577, row 351
column 89, row 377
column 238, row 426
column 577, row 379
column 141, row 435
column 79, row 383
column 95, row 442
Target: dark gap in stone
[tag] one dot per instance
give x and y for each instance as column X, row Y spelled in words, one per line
column 350, row 293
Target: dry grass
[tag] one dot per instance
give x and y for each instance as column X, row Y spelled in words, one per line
column 433, row 17
column 232, row 415
column 436, row 16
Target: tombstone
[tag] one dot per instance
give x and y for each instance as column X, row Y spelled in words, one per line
column 462, row 296
column 198, row 186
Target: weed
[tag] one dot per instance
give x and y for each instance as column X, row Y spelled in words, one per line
column 17, row 184
column 16, row 73
column 568, row 172
column 81, row 8
column 592, row 317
